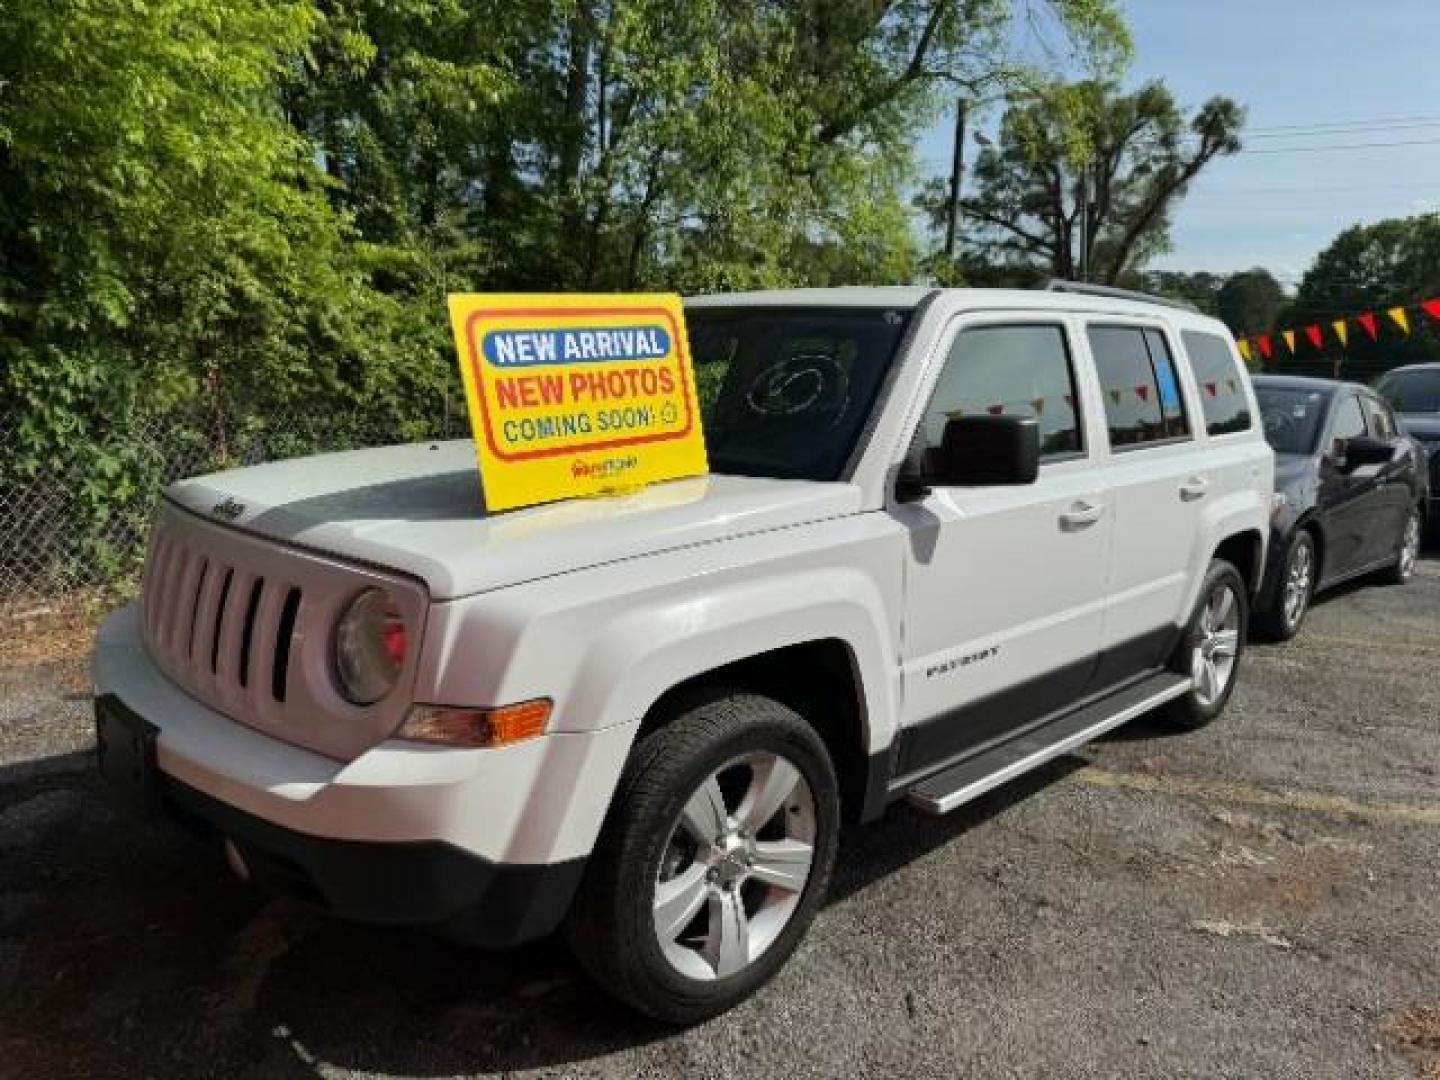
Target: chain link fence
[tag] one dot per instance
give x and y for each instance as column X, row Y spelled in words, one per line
column 81, row 525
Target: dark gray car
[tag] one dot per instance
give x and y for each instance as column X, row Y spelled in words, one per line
column 1414, row 393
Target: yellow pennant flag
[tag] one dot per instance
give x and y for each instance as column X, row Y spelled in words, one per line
column 1244, row 345
column 1401, row 319
column 1342, row 331
column 1289, row 336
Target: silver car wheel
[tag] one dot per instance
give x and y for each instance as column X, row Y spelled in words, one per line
column 735, row 866
column 1410, row 546
column 1298, row 580
column 1212, row 663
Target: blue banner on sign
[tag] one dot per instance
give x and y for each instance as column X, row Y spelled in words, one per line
column 575, row 345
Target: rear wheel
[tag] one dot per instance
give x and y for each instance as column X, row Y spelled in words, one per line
column 1407, row 553
column 714, row 860
column 1209, row 653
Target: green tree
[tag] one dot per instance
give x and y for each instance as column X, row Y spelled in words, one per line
column 1201, row 289
column 696, row 144
column 1249, row 302
column 1085, row 175
column 1373, row 268
column 165, row 235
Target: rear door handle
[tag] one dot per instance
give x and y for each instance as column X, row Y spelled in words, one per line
column 1194, row 488
column 1081, row 516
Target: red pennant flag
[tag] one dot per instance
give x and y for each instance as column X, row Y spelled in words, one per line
column 1367, row 320
column 1432, row 307
column 995, row 410
column 1144, row 392
column 1210, row 388
column 1263, row 340
column 1315, row 336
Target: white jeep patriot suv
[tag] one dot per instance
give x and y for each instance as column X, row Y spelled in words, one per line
column 948, row 536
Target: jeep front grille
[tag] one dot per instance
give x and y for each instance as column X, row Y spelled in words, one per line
column 244, row 625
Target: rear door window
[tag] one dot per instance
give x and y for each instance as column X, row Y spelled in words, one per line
column 1221, row 382
column 1142, row 399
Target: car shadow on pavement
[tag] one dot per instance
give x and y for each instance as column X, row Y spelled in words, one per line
column 127, row 949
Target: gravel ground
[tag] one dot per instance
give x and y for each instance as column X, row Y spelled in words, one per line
column 1258, row 899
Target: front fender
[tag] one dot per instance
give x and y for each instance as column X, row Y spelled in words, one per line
column 646, row 651
column 604, row 644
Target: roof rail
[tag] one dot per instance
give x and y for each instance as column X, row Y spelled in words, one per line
column 1086, row 289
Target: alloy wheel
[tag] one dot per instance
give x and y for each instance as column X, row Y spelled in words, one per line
column 1299, row 575
column 735, row 867
column 1212, row 663
column 1410, row 546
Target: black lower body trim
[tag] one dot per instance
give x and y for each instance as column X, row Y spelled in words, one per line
column 979, row 725
column 422, row 883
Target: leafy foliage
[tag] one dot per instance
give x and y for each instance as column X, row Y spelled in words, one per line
column 215, row 212
column 1135, row 153
column 1373, row 268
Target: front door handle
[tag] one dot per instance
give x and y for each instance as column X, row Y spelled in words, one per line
column 1081, row 516
column 1194, row 488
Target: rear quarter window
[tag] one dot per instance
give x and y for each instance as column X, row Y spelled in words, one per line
column 1221, row 382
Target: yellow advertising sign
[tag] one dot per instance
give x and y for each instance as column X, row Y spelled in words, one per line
column 576, row 394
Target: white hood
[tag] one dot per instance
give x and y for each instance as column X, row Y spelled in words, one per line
column 418, row 509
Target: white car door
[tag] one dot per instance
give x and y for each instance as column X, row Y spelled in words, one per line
column 1005, row 585
column 1159, row 480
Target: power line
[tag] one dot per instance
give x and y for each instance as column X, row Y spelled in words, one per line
column 1363, row 129
column 1343, row 146
column 1331, row 124
column 1433, row 185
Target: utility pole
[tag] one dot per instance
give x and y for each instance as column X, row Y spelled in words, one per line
column 952, row 219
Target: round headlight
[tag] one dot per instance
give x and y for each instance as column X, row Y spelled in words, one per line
column 369, row 647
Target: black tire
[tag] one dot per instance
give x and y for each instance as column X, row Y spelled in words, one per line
column 611, row 927
column 1406, row 555
column 1276, row 623
column 1194, row 709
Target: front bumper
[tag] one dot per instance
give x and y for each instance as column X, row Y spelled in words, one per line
column 488, row 844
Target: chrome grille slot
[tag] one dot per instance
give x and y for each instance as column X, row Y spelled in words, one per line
column 226, row 617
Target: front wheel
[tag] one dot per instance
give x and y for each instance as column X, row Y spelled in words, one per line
column 714, row 860
column 1407, row 553
column 1209, row 653
column 1293, row 591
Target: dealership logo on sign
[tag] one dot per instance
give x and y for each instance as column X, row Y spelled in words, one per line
column 577, row 395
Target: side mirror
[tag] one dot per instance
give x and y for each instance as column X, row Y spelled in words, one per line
column 1363, row 450
column 984, row 450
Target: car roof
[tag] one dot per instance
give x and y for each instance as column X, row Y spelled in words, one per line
column 1307, row 382
column 887, row 296
column 876, row 296
column 1427, row 367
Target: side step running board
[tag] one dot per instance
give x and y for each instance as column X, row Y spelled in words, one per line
column 943, row 792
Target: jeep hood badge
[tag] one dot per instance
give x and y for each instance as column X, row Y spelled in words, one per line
column 227, row 509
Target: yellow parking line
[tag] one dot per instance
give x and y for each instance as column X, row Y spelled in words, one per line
column 1228, row 791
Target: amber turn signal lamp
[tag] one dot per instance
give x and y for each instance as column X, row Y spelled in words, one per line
column 476, row 727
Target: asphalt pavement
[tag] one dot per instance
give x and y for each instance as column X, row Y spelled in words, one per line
column 1260, row 899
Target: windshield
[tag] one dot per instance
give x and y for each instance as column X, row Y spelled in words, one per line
column 1412, row 391
column 1292, row 418
column 786, row 392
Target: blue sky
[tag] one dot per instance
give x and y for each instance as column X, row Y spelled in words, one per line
column 1291, row 62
